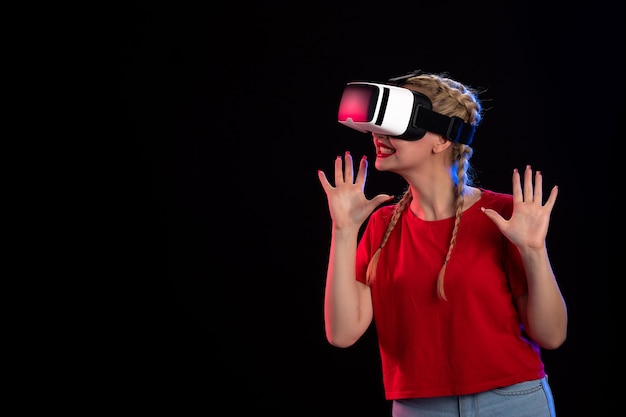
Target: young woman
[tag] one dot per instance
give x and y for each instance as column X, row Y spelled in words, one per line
column 456, row 278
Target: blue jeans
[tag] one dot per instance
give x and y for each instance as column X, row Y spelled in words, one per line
column 526, row 399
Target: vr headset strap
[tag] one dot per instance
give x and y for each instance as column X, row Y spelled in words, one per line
column 452, row 128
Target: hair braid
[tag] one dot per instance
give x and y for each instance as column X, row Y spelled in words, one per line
column 462, row 163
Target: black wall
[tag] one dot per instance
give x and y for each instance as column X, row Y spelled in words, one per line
column 210, row 287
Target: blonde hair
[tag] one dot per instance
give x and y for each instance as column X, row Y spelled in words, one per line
column 450, row 98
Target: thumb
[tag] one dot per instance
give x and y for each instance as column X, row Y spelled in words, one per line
column 494, row 216
column 380, row 199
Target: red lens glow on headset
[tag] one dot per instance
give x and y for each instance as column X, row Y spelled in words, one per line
column 358, row 103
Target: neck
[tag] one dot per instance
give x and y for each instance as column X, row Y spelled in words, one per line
column 434, row 205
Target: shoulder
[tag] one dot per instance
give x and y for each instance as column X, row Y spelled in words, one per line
column 501, row 202
column 381, row 217
column 490, row 195
column 383, row 213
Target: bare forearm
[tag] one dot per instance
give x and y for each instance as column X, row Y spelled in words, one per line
column 346, row 315
column 546, row 311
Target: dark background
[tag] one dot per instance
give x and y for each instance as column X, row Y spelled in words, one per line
column 202, row 274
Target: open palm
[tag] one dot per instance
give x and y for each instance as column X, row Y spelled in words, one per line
column 348, row 205
column 528, row 225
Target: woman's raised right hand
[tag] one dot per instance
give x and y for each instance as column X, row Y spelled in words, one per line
column 347, row 203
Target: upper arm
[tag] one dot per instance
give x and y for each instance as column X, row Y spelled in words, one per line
column 366, row 309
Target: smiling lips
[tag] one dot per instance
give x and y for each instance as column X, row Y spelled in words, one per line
column 383, row 151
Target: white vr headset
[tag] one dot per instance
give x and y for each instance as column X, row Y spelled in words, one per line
column 397, row 112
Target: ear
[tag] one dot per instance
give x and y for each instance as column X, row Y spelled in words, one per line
column 440, row 144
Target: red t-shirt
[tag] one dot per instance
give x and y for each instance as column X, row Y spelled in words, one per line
column 470, row 343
